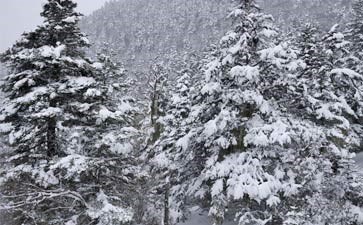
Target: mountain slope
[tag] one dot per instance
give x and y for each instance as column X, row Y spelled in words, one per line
column 139, row 31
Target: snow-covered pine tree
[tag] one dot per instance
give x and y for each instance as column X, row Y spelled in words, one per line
column 67, row 162
column 323, row 95
column 236, row 136
column 310, row 52
column 345, row 80
column 355, row 35
column 257, row 148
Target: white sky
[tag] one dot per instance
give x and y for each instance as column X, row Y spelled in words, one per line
column 17, row 16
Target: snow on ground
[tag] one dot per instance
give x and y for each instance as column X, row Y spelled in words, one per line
column 199, row 217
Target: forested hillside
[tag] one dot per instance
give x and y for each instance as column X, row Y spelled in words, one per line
column 141, row 31
column 289, row 13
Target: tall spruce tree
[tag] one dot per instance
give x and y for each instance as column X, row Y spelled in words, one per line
column 355, row 35
column 323, row 93
column 234, row 122
column 67, row 163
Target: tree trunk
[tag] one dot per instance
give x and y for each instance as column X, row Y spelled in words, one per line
column 166, row 206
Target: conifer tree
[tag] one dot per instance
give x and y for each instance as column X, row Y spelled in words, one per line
column 315, row 94
column 355, row 35
column 67, row 162
column 226, row 164
column 261, row 148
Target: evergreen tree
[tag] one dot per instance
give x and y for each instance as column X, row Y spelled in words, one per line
column 228, row 166
column 67, row 162
column 262, row 136
column 317, row 95
column 355, row 34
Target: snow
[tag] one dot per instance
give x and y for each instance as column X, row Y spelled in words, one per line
column 236, row 13
column 117, row 146
column 345, row 71
column 75, row 165
column 33, row 95
column 44, row 178
column 210, row 128
column 338, row 36
column 230, row 36
column 50, row 51
column 241, row 73
column 162, row 160
column 41, row 177
column 97, row 65
column 71, row 19
column 262, row 134
column 212, row 67
column 25, row 81
column 273, row 201
column 262, row 170
column 15, row 135
column 282, row 57
column 268, row 33
column 358, row 212
column 5, row 127
column 92, row 92
column 24, row 54
column 333, row 28
column 326, row 111
column 184, row 141
column 85, row 40
column 124, row 107
column 238, row 46
column 7, row 110
column 58, row 27
column 105, row 114
column 80, row 82
column 106, row 213
column 211, row 88
column 79, row 61
column 217, row 187
column 200, row 217
column 252, row 96
column 47, row 113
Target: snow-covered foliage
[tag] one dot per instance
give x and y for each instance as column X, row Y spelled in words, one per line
column 261, row 130
column 256, row 147
column 71, row 146
column 186, row 26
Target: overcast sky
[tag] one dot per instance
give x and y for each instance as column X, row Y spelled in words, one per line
column 17, row 16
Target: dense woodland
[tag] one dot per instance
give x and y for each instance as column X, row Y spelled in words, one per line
column 170, row 31
column 172, row 108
